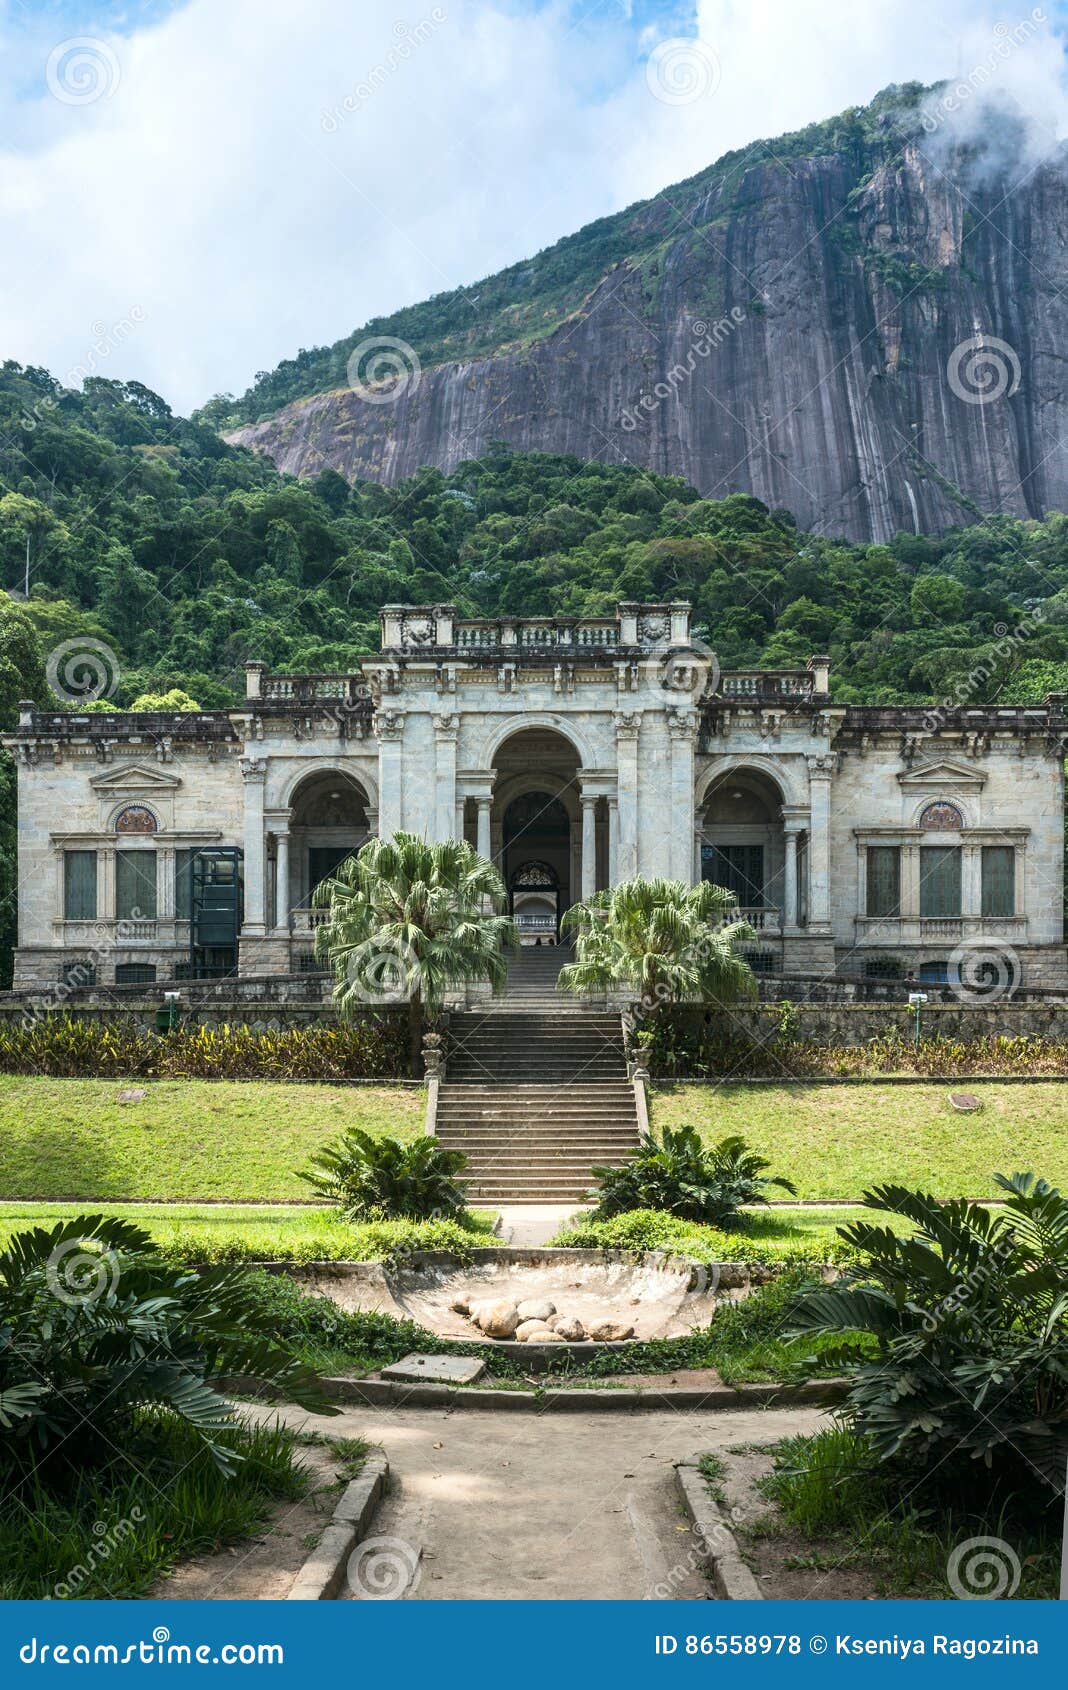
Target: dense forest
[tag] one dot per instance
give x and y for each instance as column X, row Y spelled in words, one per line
column 124, row 523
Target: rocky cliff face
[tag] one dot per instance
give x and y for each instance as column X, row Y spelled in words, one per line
column 865, row 338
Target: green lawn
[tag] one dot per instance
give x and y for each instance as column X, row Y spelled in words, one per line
column 834, row 1141
column 187, row 1139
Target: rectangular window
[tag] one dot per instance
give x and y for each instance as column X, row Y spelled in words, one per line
column 939, row 880
column 182, row 860
column 79, row 885
column 999, row 880
column 135, row 885
column 135, row 974
column 884, row 880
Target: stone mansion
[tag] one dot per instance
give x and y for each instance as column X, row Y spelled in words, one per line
column 576, row 752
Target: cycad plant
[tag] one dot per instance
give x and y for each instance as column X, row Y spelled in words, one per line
column 968, row 1312
column 408, row 921
column 663, row 940
column 387, row 1179
column 680, row 1176
column 96, row 1329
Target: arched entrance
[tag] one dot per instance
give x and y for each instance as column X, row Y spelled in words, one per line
column 743, row 843
column 537, row 828
column 327, row 823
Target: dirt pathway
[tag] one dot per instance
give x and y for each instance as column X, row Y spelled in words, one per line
column 518, row 1505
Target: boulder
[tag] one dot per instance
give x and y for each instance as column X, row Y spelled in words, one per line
column 498, row 1320
column 567, row 1326
column 610, row 1332
column 460, row 1305
column 537, row 1308
column 533, row 1331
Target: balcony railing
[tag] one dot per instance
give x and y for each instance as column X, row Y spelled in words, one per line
column 315, row 689
column 758, row 684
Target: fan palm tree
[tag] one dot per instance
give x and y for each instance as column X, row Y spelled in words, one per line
column 668, row 942
column 409, row 920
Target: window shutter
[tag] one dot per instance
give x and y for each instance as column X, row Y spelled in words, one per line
column 135, row 885
column 999, row 880
column 79, row 885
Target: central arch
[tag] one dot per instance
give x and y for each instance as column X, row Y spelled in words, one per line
column 328, row 821
column 742, row 840
column 536, row 827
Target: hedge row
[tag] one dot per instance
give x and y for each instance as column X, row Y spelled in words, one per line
column 372, row 1048
column 697, row 1053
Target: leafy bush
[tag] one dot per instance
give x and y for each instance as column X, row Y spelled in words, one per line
column 684, row 1178
column 97, row 1328
column 969, row 1316
column 64, row 1047
column 383, row 1178
column 373, row 1241
column 679, row 1046
column 766, row 1240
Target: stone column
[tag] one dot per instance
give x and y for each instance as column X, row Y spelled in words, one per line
column 446, row 727
column 789, row 890
column 461, row 819
column 971, row 881
column 485, row 846
column 682, row 725
column 254, row 770
column 820, row 773
column 910, row 880
column 165, row 889
column 589, row 847
column 628, row 727
column 389, row 728
column 281, row 880
column 613, row 841
column 105, row 884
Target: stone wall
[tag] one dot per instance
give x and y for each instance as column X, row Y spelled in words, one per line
column 856, row 1023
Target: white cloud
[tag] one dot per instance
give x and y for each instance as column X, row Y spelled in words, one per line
column 207, row 197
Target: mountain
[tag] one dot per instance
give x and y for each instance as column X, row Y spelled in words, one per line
column 860, row 323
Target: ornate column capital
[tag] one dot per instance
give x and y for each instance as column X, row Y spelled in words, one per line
column 682, row 724
column 389, row 724
column 254, row 768
column 446, row 724
column 628, row 724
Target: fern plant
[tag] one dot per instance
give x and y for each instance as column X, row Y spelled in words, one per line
column 371, row 1178
column 95, row 1326
column 679, row 1176
column 969, row 1316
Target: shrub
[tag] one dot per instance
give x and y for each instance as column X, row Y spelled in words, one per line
column 374, row 1241
column 64, row 1047
column 383, row 1179
column 98, row 1327
column 970, row 1321
column 684, row 1178
column 768, row 1240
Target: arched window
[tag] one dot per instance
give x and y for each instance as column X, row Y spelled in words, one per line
column 941, row 817
column 136, row 818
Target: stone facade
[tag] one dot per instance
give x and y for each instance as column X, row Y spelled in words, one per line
column 861, row 842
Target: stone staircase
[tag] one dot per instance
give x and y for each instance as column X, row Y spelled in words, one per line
column 536, row 1090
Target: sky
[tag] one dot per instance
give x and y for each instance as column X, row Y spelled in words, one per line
column 192, row 190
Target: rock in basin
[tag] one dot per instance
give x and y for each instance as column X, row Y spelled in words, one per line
column 659, row 1296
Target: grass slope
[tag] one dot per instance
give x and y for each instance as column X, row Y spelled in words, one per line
column 836, row 1141
column 187, row 1139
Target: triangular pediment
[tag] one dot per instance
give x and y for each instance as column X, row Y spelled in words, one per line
column 942, row 775
column 136, row 777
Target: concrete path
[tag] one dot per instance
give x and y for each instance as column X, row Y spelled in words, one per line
column 526, row 1226
column 544, row 1506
